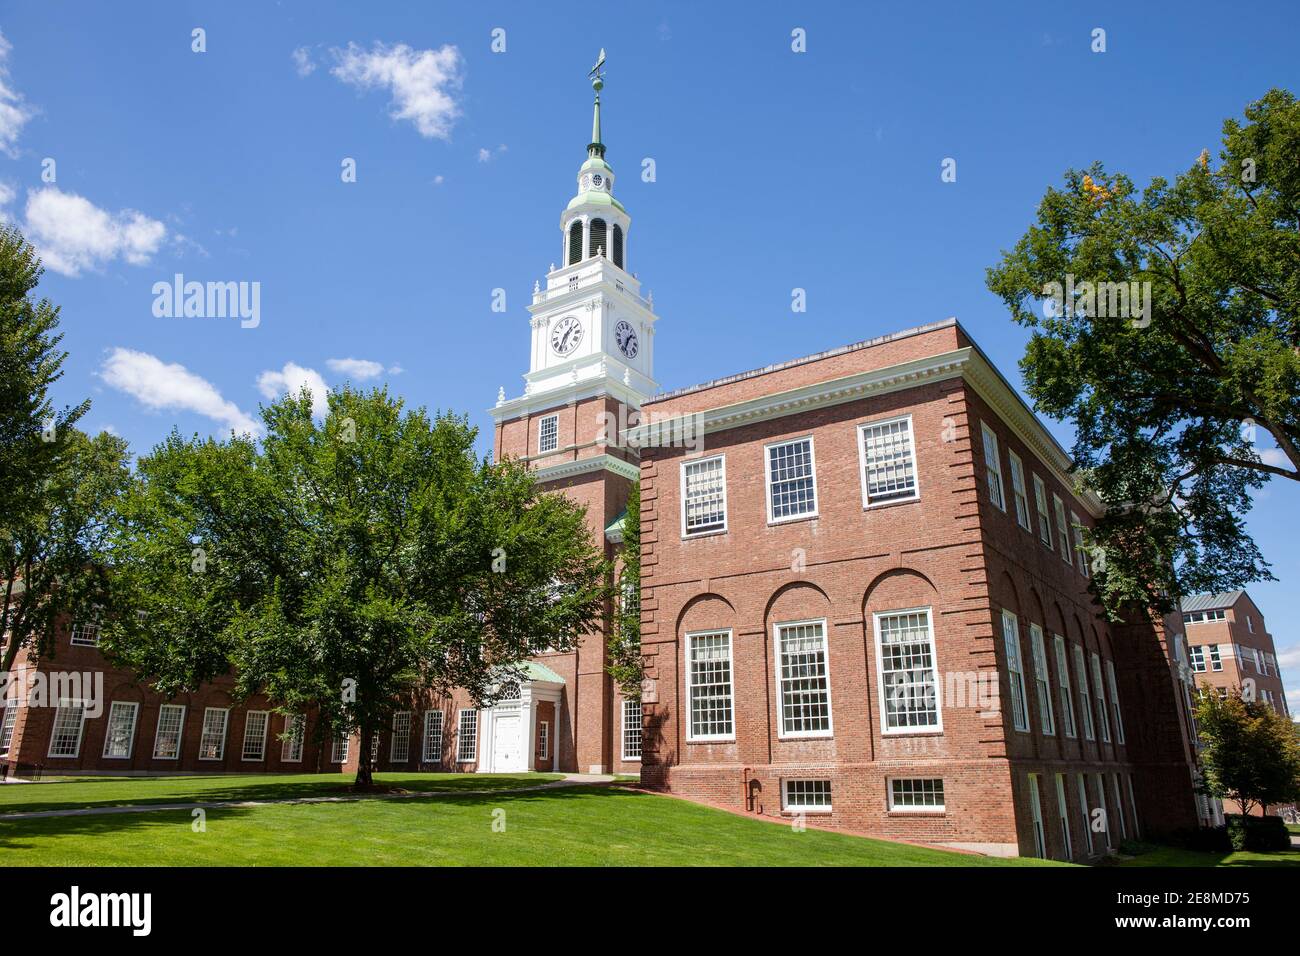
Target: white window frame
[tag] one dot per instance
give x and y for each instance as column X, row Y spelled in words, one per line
column 906, row 808
column 266, row 726
column 1133, row 807
column 778, row 653
column 1216, row 657
column 1196, row 658
column 1015, row 671
column 1113, row 689
column 544, row 738
column 915, row 493
column 1019, row 492
column 1099, row 785
column 1036, row 816
column 1044, row 516
column 691, row 637
column 767, row 476
column 1066, row 692
column 1062, row 531
column 1119, row 805
column 430, row 738
column 554, row 419
column 400, row 735
column 68, row 704
column 1042, row 680
column 790, row 805
column 1063, row 812
column 1077, row 527
column 696, row 463
column 993, row 467
column 1099, row 691
column 130, row 737
column 639, row 730
column 340, row 747
column 914, row 729
column 7, row 728
column 204, row 732
column 77, row 637
column 180, row 731
column 1085, row 701
column 1087, row 814
column 295, row 730
column 461, row 736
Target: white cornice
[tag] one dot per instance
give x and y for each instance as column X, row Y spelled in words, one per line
column 583, row 466
column 566, row 395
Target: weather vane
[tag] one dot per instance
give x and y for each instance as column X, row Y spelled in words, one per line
column 597, row 73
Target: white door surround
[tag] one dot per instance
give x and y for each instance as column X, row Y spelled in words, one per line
column 515, row 751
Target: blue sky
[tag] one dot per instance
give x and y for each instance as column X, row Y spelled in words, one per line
column 775, row 170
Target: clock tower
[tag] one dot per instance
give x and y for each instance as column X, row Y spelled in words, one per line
column 591, row 355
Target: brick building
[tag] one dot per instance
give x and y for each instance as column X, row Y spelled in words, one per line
column 1229, row 647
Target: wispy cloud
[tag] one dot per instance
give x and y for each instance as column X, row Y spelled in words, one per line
column 14, row 110
column 485, row 155
column 163, row 386
column 302, row 61
column 422, row 83
column 291, row 380
column 355, row 368
column 73, row 235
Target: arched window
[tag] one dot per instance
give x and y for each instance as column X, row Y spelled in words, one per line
column 597, row 240
column 618, row 245
column 575, row 241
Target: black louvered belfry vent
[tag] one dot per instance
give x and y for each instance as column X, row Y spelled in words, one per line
column 597, row 240
column 575, row 241
column 618, row 245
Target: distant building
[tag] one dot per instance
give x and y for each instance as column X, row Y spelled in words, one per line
column 1230, row 648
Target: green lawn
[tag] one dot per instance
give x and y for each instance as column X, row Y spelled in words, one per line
column 72, row 793
column 577, row 826
column 1175, row 856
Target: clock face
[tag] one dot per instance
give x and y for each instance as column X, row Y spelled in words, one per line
column 626, row 339
column 566, row 335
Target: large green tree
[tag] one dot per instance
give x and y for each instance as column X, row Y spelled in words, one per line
column 1251, row 753
column 1180, row 355
column 348, row 565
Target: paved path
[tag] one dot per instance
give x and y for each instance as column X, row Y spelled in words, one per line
column 570, row 780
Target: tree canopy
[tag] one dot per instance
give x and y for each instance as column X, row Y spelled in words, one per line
column 1251, row 753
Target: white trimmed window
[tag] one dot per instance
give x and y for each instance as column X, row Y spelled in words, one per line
column 1036, row 811
column 1113, row 690
column 1196, row 656
column 916, row 795
column 1040, row 505
column 708, row 686
column 1087, row 816
column 1018, row 490
column 544, row 740
column 1202, row 617
column 255, row 724
column 1250, row 624
column 295, row 726
column 171, row 725
column 631, row 729
column 432, row 736
column 1063, row 685
column 1063, row 812
column 1119, row 806
column 791, row 480
column 909, row 688
column 1062, row 531
column 548, row 433
column 803, row 679
column 339, row 747
column 212, row 739
column 993, row 466
column 1042, row 680
column 806, row 796
column 1132, row 806
column 119, row 739
column 399, row 748
column 704, row 496
column 1085, row 704
column 1015, row 671
column 1099, row 789
column 888, row 458
column 86, row 633
column 1077, row 526
column 1098, row 689
column 467, row 736
column 7, row 729
column 69, row 722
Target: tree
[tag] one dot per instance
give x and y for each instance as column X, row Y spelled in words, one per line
column 347, row 566
column 59, row 485
column 1180, row 345
column 626, row 665
column 1251, row 753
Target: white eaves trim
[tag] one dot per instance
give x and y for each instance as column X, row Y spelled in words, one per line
column 583, row 466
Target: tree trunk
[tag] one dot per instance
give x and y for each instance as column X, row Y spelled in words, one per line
column 365, row 780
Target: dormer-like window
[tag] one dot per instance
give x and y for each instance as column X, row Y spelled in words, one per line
column 575, row 241
column 618, row 245
column 597, row 241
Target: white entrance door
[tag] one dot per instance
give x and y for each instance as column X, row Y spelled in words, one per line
column 507, row 748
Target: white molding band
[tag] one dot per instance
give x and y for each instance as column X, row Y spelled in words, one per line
column 583, row 466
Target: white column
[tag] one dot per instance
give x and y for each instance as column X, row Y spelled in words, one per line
column 530, row 727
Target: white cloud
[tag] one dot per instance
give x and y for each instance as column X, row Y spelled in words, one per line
column 1289, row 656
column 160, row 386
column 72, row 234
column 1275, row 457
column 485, row 155
column 438, row 180
column 7, row 193
column 303, row 62
column 395, row 370
column 14, row 111
column 422, row 82
column 291, row 379
column 359, row 369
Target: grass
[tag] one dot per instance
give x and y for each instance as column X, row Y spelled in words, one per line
column 576, row 826
column 74, row 793
column 1176, row 856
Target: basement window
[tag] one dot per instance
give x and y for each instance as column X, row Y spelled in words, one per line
column 806, row 796
column 916, row 795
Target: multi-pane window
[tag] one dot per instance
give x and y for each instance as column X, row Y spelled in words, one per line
column 916, row 794
column 909, row 688
column 805, row 698
column 1036, row 812
column 1197, row 657
column 467, row 737
column 1085, row 705
column 7, row 729
column 399, row 748
column 709, row 690
column 993, row 466
column 120, row 736
column 167, row 740
column 806, row 796
column 1099, row 791
column 1201, row 617
column 291, row 745
column 888, row 461
column 86, row 633
column 1077, row 527
column 1113, row 690
column 1063, row 813
column 1062, row 531
column 432, row 736
column 1063, row 685
column 548, row 433
column 212, row 738
column 1042, row 681
column 791, row 480
column 1087, row 815
column 1018, row 490
column 1040, row 506
column 339, row 747
column 255, row 724
column 631, row 729
column 1103, row 718
column 1015, row 671
column 704, row 496
column 1216, row 659
column 544, row 740
column 69, row 720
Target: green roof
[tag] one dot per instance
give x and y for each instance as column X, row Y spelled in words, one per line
column 536, row 671
column 595, row 197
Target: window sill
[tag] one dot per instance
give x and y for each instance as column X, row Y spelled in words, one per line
column 776, row 522
column 704, row 534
